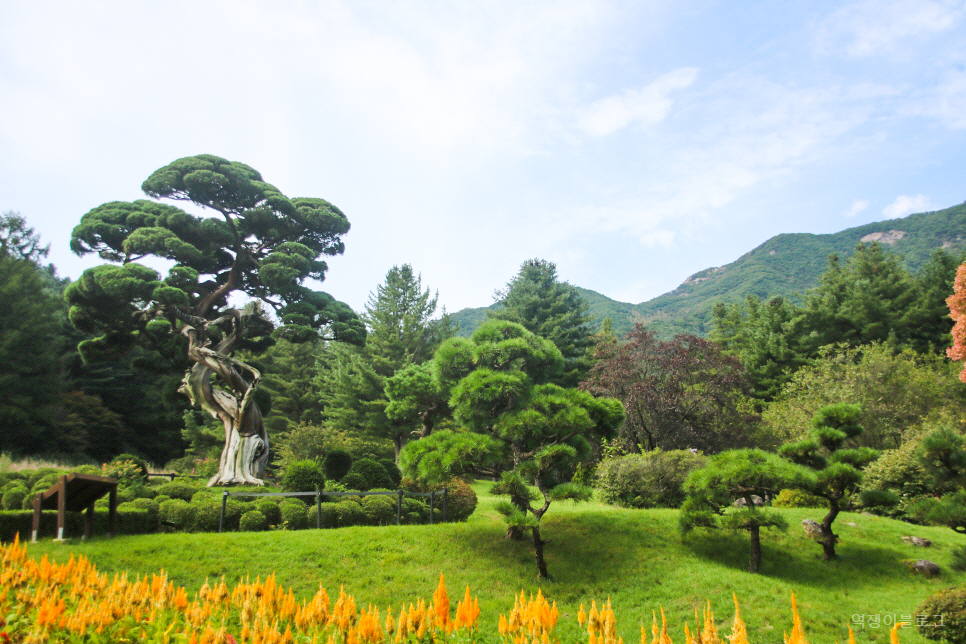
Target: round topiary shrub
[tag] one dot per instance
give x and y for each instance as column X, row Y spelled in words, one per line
column 371, row 473
column 354, row 482
column 127, row 469
column 336, row 464
column 271, row 511
column 41, row 472
column 395, row 475
column 143, row 491
column 328, row 513
column 414, row 511
column 207, row 517
column 176, row 490
column 152, row 507
column 14, row 496
column 253, row 521
column 294, row 514
column 651, row 479
column 460, row 500
column 379, row 510
column 41, row 484
column 798, row 499
column 349, row 513
column 177, row 514
column 303, row 476
column 951, row 604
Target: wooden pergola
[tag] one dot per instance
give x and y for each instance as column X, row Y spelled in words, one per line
column 75, row 493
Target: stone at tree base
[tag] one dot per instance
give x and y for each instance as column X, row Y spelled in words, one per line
column 918, row 541
column 813, row 529
column 740, row 503
column 851, row 524
column 926, row 567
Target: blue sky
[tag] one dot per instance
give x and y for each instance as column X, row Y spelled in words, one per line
column 631, row 143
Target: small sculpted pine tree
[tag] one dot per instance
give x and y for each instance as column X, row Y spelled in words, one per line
column 837, row 471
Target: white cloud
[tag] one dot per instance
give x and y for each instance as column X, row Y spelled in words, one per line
column 877, row 26
column 857, row 206
column 906, row 205
column 647, row 106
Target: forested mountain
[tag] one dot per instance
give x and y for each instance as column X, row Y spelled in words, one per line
column 786, row 264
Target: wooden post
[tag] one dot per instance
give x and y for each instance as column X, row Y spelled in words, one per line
column 36, row 526
column 89, row 522
column 111, row 512
column 432, row 502
column 399, row 507
column 61, row 507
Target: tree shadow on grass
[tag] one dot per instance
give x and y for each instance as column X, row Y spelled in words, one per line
column 799, row 561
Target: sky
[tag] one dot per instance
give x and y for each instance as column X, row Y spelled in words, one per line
column 630, row 143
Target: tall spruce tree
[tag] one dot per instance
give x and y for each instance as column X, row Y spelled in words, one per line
column 402, row 333
column 536, row 299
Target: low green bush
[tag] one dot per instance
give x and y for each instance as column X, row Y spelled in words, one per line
column 354, row 482
column 326, row 516
column 798, row 499
column 13, row 496
column 379, row 510
column 303, row 476
column 648, row 480
column 294, row 514
column 395, row 475
column 129, row 521
column 349, row 513
column 148, row 505
column 271, row 511
column 371, row 475
column 176, row 514
column 951, row 604
column 177, row 490
column 253, row 521
column 336, row 464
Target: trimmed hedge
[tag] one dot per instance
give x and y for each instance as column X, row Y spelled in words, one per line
column 129, row 521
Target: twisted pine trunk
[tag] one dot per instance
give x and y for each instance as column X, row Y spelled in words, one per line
column 245, row 453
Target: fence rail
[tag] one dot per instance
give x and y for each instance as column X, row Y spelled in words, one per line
column 318, row 494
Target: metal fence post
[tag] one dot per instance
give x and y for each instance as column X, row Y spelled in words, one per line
column 432, row 502
column 445, row 494
column 399, row 507
column 318, row 509
column 224, row 502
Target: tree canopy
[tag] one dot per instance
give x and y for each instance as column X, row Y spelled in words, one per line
column 259, row 242
column 536, row 299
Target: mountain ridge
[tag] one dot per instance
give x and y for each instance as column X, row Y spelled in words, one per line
column 787, row 264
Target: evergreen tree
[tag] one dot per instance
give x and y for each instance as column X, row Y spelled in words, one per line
column 402, row 333
column 536, row 299
column 31, row 341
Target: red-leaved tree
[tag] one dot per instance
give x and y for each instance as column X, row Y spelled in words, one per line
column 957, row 311
column 678, row 394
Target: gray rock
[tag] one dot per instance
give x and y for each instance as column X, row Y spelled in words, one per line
column 852, row 524
column 926, row 567
column 813, row 529
column 740, row 503
column 918, row 541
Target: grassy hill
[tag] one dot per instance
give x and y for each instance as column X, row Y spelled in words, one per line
column 787, row 264
column 634, row 557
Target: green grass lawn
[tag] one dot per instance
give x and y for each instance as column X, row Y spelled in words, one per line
column 636, row 558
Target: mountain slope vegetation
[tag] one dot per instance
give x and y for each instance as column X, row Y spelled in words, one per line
column 787, row 265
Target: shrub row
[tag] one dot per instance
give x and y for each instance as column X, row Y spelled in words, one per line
column 129, row 521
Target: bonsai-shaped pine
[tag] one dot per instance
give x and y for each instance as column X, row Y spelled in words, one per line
column 260, row 243
column 498, row 384
column 837, row 471
column 740, row 474
column 943, row 455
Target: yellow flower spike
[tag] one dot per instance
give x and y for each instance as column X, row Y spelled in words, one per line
column 798, row 633
column 710, row 633
column 665, row 637
column 582, row 616
column 504, row 627
column 654, row 632
column 851, row 634
column 894, row 633
column 739, row 632
column 441, row 604
column 592, row 638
